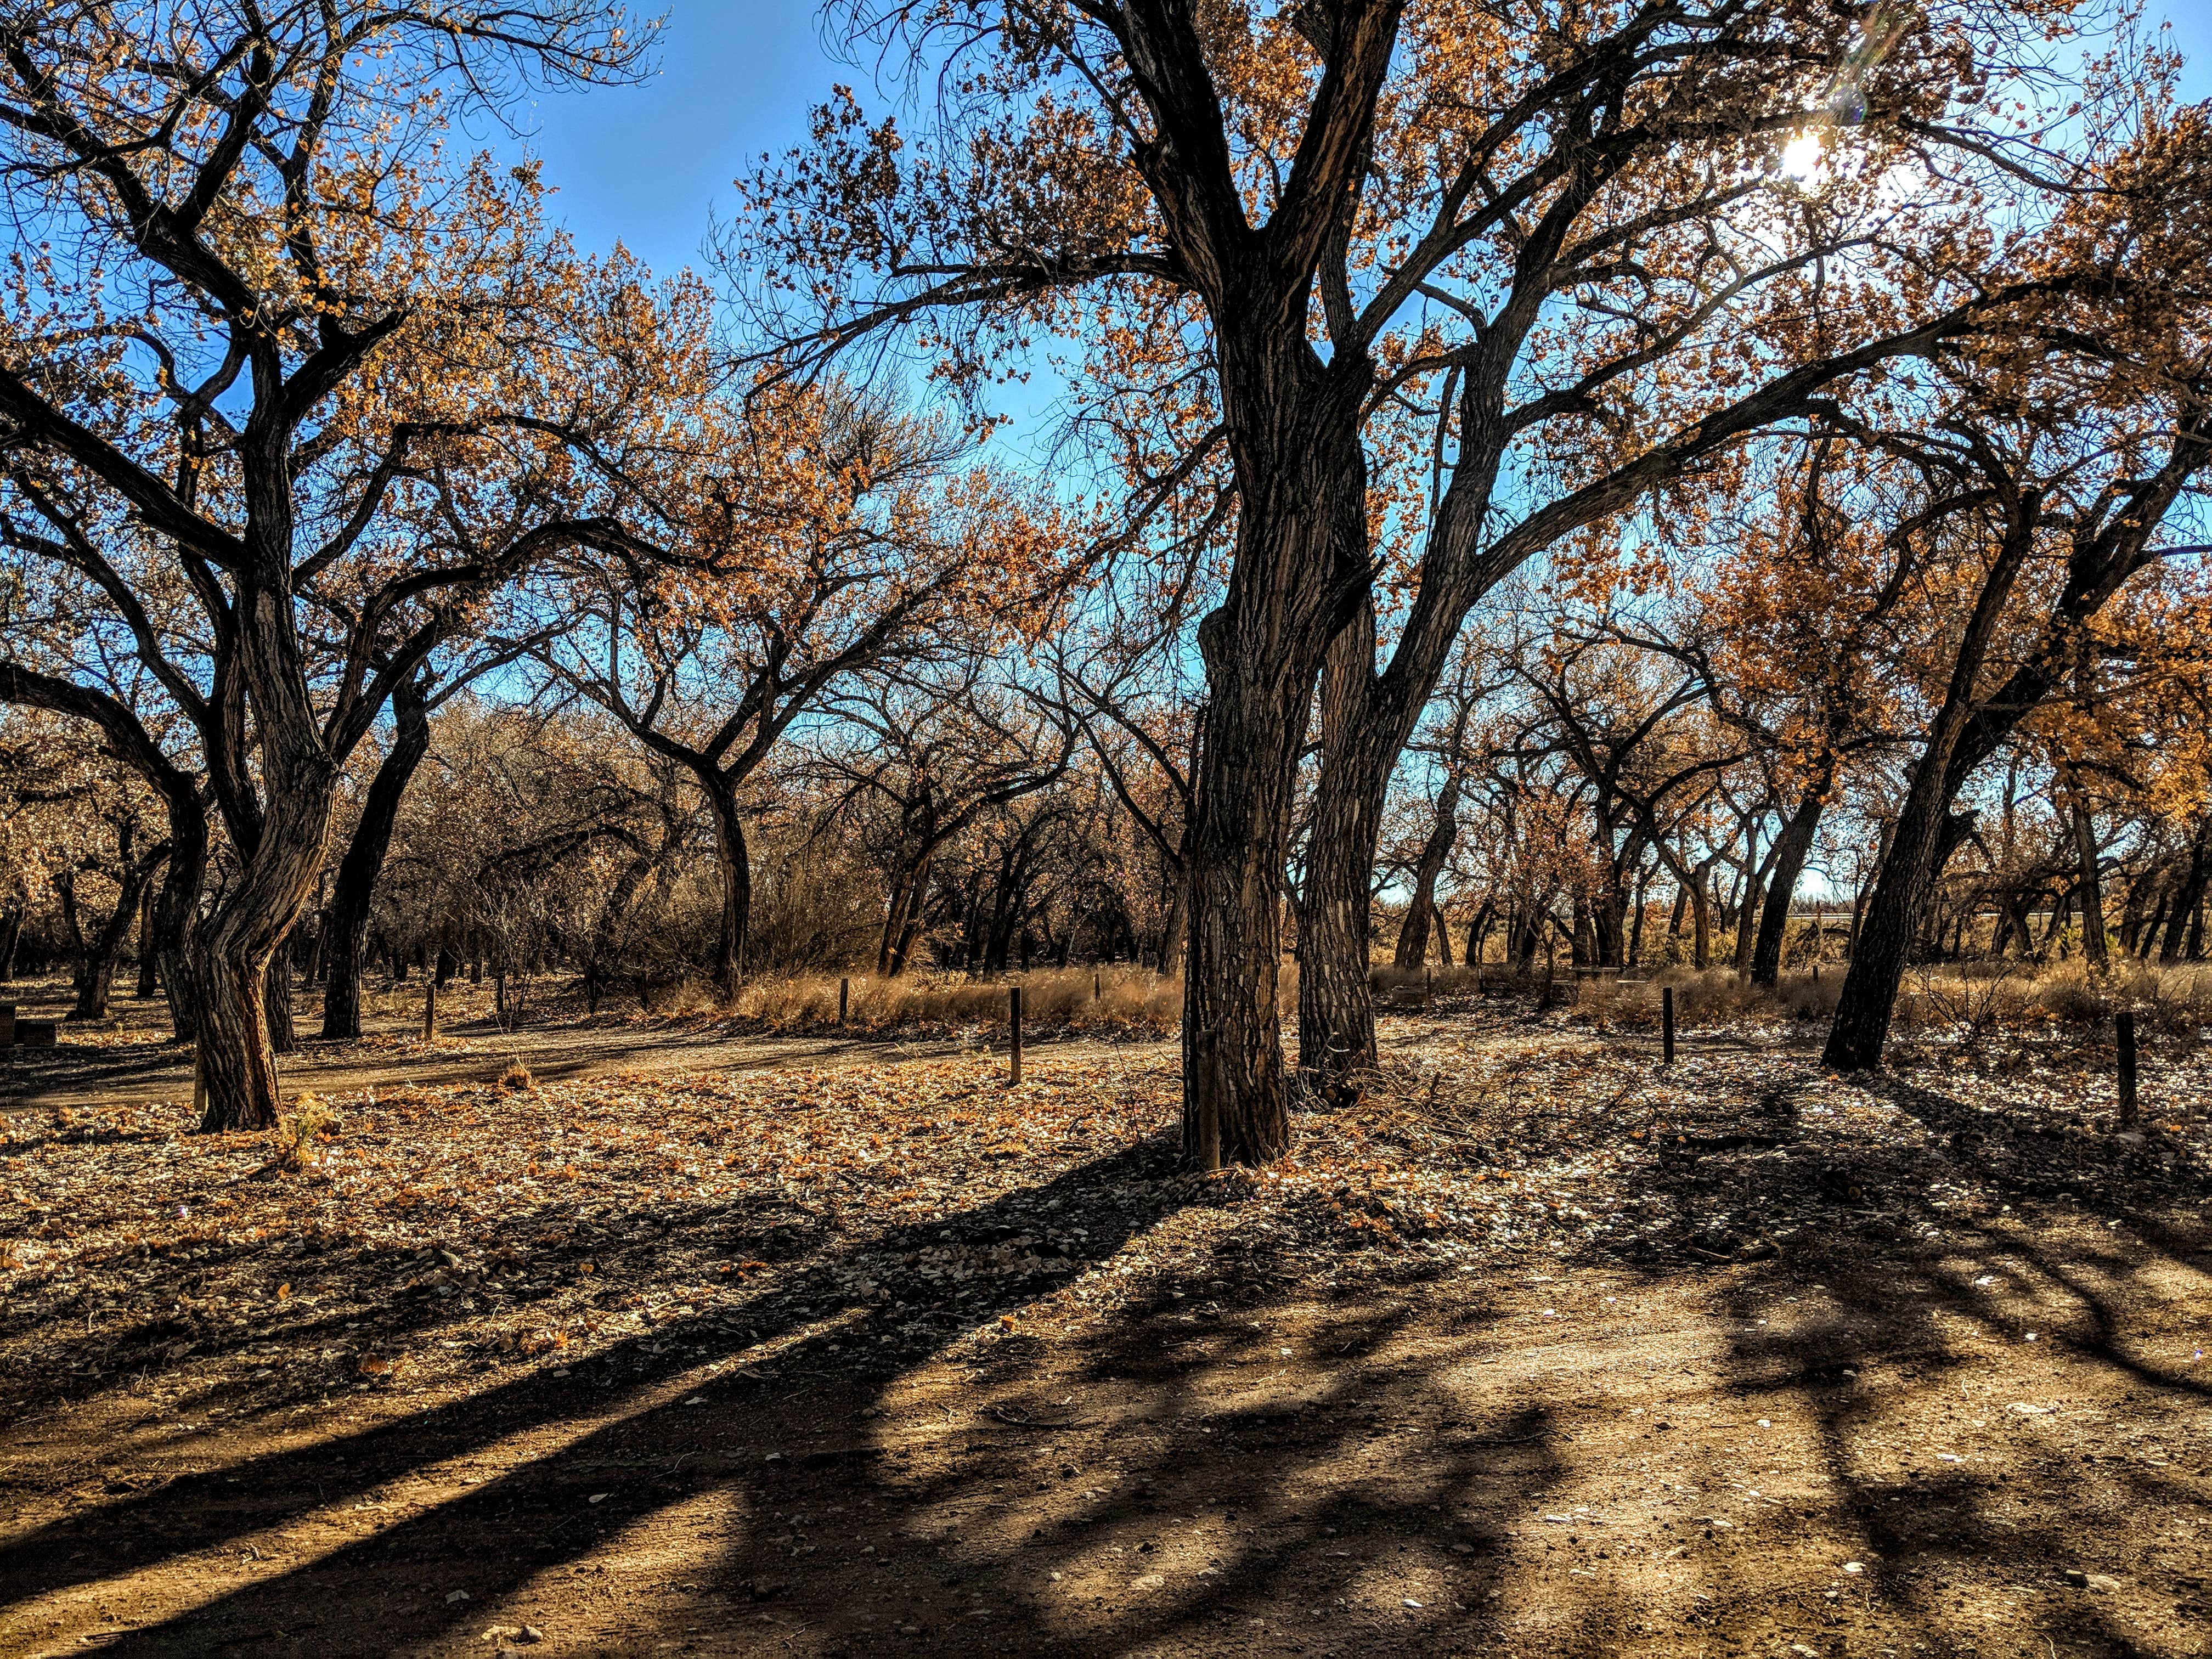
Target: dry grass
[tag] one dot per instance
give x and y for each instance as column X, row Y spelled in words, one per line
column 1109, row 998
column 1968, row 996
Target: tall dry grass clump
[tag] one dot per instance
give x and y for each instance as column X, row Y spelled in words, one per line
column 1127, row 999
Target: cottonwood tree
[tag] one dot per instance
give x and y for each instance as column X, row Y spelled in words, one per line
column 1563, row 232
column 274, row 393
column 847, row 536
column 2053, row 476
column 88, row 831
column 916, row 762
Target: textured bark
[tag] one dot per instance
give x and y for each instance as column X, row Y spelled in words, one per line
column 1336, row 1011
column 276, row 1003
column 346, row 924
column 733, row 864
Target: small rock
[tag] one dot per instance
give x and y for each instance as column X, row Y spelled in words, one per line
column 458, row 1595
column 1854, row 1566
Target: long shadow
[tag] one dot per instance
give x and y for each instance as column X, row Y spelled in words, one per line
column 505, row 1533
column 1323, row 1517
column 1942, row 1531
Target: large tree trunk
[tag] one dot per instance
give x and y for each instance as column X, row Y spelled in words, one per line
column 1924, row 828
column 1299, row 577
column 345, row 929
column 1791, row 849
column 734, row 860
column 1336, row 1012
column 281, row 856
column 1414, row 937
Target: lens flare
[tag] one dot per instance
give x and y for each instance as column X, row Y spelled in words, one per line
column 1801, row 158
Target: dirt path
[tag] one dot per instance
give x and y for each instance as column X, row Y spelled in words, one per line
column 128, row 1064
column 1030, row 1392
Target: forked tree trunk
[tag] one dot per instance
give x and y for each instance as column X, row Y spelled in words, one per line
column 1300, row 578
column 1414, row 936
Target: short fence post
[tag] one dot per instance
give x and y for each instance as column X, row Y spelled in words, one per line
column 1665, row 1025
column 2125, row 1025
column 844, row 999
column 1014, row 1018
column 1094, row 985
column 430, row 1009
column 1428, row 986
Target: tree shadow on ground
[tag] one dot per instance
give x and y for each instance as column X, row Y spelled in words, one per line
column 1176, row 1485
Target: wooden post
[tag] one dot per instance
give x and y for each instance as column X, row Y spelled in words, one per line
column 2126, row 1026
column 1665, row 1025
column 1094, row 985
column 1014, row 1018
column 430, row 1008
column 1428, row 986
column 844, row 999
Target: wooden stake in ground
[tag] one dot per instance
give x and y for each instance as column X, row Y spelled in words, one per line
column 1014, row 1018
column 430, row 1007
column 2124, row 1025
column 1665, row 1025
column 844, row 998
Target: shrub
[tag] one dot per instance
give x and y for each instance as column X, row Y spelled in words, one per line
column 300, row 1133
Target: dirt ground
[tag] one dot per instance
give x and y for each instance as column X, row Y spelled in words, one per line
column 1536, row 1349
column 127, row 1061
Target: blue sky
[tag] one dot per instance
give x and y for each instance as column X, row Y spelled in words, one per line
column 648, row 165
